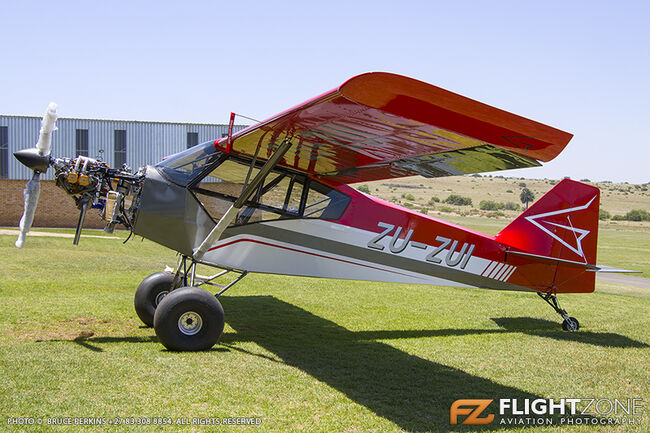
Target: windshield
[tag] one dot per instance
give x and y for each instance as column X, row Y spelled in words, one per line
column 182, row 167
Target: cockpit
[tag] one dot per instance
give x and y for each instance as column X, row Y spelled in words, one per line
column 217, row 179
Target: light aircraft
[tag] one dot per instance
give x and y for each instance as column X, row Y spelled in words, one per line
column 275, row 198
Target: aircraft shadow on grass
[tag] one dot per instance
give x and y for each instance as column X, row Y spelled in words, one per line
column 549, row 329
column 412, row 392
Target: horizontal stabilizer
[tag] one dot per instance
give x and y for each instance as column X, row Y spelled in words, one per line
column 570, row 263
column 610, row 270
column 554, row 260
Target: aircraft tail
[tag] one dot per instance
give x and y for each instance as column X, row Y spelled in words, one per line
column 563, row 224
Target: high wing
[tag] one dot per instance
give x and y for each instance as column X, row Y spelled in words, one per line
column 380, row 126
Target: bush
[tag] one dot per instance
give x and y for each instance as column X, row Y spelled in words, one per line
column 495, row 214
column 633, row 215
column 511, row 206
column 637, row 215
column 446, row 209
column 495, row 205
column 364, row 188
column 458, row 200
column 433, row 200
column 490, row 205
column 604, row 215
column 409, row 197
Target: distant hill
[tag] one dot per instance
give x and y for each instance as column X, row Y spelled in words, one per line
column 429, row 195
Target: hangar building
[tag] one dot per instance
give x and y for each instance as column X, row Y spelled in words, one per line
column 116, row 142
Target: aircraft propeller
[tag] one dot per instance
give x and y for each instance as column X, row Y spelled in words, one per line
column 38, row 160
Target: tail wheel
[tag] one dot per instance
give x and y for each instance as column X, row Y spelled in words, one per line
column 570, row 324
column 150, row 293
column 189, row 319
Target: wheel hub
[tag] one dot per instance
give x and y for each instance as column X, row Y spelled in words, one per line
column 160, row 296
column 571, row 325
column 190, row 323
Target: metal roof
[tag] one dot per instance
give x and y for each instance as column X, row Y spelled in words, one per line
column 146, row 142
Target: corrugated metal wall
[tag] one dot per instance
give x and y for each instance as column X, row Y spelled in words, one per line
column 146, row 142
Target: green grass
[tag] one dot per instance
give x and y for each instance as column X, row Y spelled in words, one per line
column 301, row 354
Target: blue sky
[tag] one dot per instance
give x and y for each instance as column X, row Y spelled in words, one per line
column 581, row 66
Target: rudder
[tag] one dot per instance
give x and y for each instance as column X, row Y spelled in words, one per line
column 562, row 224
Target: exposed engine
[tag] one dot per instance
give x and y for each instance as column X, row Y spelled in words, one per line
column 92, row 182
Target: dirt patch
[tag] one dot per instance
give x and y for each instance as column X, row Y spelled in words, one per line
column 63, row 330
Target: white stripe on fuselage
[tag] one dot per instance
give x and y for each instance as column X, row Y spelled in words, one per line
column 260, row 254
column 274, row 256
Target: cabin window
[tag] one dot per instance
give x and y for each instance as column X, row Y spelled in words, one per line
column 185, row 166
column 282, row 194
column 268, row 203
column 324, row 202
column 231, row 171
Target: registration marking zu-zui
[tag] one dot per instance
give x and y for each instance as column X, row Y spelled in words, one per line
column 435, row 253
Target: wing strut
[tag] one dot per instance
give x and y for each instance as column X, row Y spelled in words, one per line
column 248, row 190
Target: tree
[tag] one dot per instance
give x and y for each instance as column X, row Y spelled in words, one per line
column 526, row 196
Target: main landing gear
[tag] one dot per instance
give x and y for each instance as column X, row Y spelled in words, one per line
column 570, row 323
column 184, row 316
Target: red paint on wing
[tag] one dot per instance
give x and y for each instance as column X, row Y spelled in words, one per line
column 367, row 127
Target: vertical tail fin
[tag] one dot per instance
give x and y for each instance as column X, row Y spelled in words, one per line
column 562, row 224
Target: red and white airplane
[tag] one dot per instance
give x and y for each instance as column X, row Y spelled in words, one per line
column 275, row 198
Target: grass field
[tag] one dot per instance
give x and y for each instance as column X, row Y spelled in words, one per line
column 320, row 355
column 303, row 354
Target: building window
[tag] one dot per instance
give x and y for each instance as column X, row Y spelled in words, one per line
column 4, row 152
column 120, row 148
column 81, row 142
column 192, row 139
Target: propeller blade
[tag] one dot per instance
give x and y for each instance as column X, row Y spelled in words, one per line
column 47, row 126
column 31, row 193
column 37, row 159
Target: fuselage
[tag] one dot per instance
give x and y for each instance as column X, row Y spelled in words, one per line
column 301, row 226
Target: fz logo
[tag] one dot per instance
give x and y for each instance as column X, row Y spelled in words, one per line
column 463, row 407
